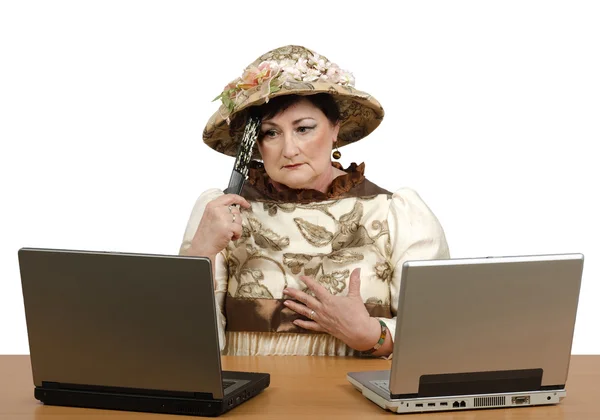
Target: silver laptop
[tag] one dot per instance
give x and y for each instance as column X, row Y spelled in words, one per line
column 480, row 333
column 127, row 332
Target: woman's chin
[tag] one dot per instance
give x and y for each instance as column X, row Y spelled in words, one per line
column 295, row 182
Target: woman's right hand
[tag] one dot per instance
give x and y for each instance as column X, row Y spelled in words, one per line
column 221, row 223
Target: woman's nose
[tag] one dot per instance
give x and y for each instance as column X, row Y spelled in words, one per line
column 290, row 148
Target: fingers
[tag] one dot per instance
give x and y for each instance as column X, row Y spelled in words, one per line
column 224, row 213
column 308, row 313
column 236, row 230
column 221, row 223
column 309, row 325
column 234, row 219
column 234, row 214
column 230, row 199
column 354, row 283
column 224, row 210
column 300, row 309
column 320, row 292
column 299, row 295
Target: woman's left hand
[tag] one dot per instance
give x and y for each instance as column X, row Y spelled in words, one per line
column 344, row 317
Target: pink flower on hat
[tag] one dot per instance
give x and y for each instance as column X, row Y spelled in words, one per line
column 254, row 76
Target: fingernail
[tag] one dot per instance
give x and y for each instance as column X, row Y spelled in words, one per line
column 285, row 291
column 286, row 302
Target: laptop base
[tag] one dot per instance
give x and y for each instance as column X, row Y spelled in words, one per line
column 450, row 403
column 205, row 407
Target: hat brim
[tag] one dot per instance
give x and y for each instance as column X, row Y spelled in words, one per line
column 360, row 115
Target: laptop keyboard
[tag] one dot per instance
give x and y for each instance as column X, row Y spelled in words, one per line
column 227, row 384
column 384, row 384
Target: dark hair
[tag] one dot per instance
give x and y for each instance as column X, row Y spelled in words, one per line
column 277, row 105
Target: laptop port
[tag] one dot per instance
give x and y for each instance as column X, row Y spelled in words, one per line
column 456, row 404
column 520, row 400
column 431, row 404
column 463, row 404
column 418, row 405
column 444, row 404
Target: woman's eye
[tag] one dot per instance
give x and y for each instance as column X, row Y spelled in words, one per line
column 304, row 129
column 270, row 133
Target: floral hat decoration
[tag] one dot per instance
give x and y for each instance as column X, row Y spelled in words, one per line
column 285, row 71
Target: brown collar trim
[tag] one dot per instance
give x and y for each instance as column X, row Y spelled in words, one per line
column 258, row 178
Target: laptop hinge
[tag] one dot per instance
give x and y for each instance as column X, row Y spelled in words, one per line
column 493, row 382
column 126, row 391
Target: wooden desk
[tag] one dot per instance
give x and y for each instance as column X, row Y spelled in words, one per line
column 304, row 388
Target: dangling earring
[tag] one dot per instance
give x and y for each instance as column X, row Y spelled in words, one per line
column 336, row 154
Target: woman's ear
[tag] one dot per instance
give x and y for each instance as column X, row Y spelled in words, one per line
column 336, row 131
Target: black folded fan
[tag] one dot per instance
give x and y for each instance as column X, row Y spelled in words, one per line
column 242, row 160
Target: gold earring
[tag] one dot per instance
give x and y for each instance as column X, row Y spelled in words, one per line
column 336, row 154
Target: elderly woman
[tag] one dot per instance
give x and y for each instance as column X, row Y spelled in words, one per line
column 307, row 261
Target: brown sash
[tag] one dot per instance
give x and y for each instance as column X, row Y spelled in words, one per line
column 271, row 315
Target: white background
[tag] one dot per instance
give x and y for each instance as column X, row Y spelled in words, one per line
column 492, row 115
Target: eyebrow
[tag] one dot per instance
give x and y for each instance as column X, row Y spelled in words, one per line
column 293, row 122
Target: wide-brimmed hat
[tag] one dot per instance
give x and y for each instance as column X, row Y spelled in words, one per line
column 285, row 71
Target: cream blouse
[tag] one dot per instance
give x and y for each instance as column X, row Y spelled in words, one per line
column 326, row 235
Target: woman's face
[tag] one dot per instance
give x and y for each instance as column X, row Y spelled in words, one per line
column 296, row 147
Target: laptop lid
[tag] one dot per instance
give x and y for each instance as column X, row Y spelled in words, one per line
column 485, row 325
column 121, row 320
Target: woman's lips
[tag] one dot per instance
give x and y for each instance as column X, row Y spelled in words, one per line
column 297, row 165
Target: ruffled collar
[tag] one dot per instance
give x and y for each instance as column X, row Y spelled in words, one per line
column 258, row 178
